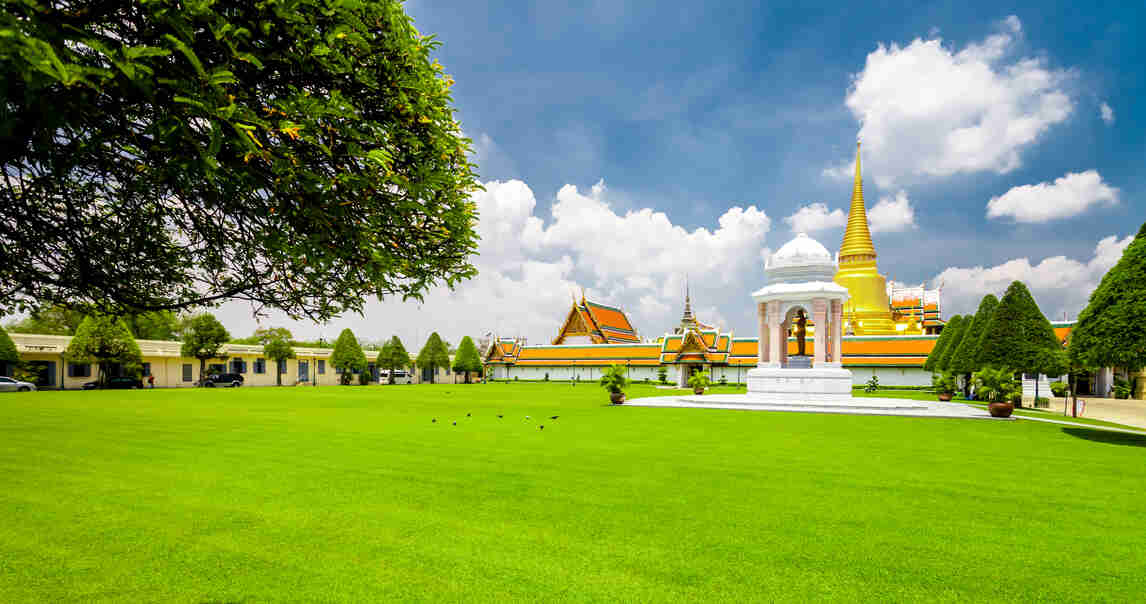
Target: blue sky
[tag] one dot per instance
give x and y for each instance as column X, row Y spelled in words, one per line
column 689, row 110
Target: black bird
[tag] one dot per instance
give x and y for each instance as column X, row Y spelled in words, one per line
column 552, row 417
column 434, row 421
column 467, row 415
column 541, row 427
column 499, row 417
column 455, row 423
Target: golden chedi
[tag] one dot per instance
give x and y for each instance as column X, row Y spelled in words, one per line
column 868, row 311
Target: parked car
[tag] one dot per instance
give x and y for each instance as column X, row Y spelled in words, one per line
column 122, row 382
column 230, row 380
column 400, row 376
column 8, row 384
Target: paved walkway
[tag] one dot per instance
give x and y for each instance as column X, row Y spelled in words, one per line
column 851, row 406
column 1131, row 412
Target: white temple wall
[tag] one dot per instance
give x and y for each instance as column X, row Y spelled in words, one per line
column 890, row 376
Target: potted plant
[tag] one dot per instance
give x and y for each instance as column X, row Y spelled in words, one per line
column 1000, row 387
column 698, row 382
column 614, row 380
column 944, row 385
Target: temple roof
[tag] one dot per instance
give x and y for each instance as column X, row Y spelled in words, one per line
column 601, row 323
column 857, row 235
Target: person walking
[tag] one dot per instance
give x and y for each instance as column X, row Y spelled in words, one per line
column 151, row 380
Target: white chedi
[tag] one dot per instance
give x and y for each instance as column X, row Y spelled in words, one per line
column 802, row 259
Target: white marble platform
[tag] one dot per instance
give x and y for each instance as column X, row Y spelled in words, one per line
column 843, row 405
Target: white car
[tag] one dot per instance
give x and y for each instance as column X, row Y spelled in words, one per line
column 8, row 384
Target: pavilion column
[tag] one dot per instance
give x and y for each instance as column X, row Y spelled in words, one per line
column 837, row 330
column 820, row 344
column 775, row 328
column 762, row 343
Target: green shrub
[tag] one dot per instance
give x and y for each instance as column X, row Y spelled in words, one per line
column 546, row 378
column 723, row 381
column 997, row 385
column 699, row 381
column 872, row 385
column 662, row 375
column 1122, row 388
column 944, row 382
column 1042, row 401
column 363, row 378
column 1058, row 388
column 614, row 379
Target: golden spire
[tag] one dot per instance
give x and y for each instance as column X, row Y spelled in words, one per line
column 857, row 237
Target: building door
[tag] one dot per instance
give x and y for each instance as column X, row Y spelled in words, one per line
column 45, row 372
column 427, row 374
column 304, row 371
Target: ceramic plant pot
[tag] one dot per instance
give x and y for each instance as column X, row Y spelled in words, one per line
column 945, row 396
column 617, row 397
column 1000, row 409
column 698, row 390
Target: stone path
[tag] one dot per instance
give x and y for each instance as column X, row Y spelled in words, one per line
column 850, row 406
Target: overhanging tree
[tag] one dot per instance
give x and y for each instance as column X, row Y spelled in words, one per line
column 9, row 356
column 434, row 355
column 1020, row 338
column 1111, row 330
column 153, row 325
column 393, row 357
column 276, row 345
column 348, row 357
column 467, row 358
column 159, row 155
column 936, row 354
column 105, row 341
column 203, row 339
column 966, row 358
column 49, row 320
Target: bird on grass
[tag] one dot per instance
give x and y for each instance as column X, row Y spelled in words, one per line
column 541, row 427
column 434, row 421
column 553, row 417
column 455, row 423
column 527, row 417
column 467, row 415
column 499, row 417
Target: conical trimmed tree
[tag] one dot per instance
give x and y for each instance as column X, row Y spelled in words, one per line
column 960, row 330
column 1020, row 338
column 393, row 357
column 936, row 354
column 348, row 356
column 467, row 359
column 1111, row 331
column 105, row 340
column 434, row 355
column 966, row 358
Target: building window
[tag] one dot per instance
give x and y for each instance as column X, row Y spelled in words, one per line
column 321, row 367
column 304, row 371
column 79, row 370
column 337, row 369
column 282, row 366
column 260, row 365
column 187, row 372
column 146, row 369
column 238, row 365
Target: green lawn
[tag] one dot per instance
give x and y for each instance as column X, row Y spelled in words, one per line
column 352, row 494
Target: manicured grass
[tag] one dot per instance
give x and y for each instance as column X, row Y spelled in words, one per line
column 352, row 494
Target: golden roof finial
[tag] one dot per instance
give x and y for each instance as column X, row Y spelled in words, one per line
column 857, row 236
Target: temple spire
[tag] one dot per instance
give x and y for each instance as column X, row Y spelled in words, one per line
column 687, row 303
column 857, row 243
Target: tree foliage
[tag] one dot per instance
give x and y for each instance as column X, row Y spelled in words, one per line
column 276, row 343
column 153, row 325
column 966, row 357
column 348, row 356
column 158, row 155
column 1020, row 338
column 8, row 353
column 203, row 339
column 434, row 354
column 936, row 354
column 957, row 334
column 49, row 320
column 467, row 359
column 1111, row 331
column 105, row 340
column 393, row 356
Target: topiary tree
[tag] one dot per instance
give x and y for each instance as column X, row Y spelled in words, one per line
column 434, row 354
column 933, row 358
column 957, row 333
column 227, row 145
column 9, row 356
column 1020, row 338
column 277, row 346
column 105, row 340
column 203, row 339
column 966, row 358
column 1110, row 331
column 467, row 359
column 393, row 357
column 347, row 356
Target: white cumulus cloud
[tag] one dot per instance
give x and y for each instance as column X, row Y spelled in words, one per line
column 892, row 214
column 1059, row 284
column 1067, row 196
column 928, row 109
column 816, row 217
column 1107, row 113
